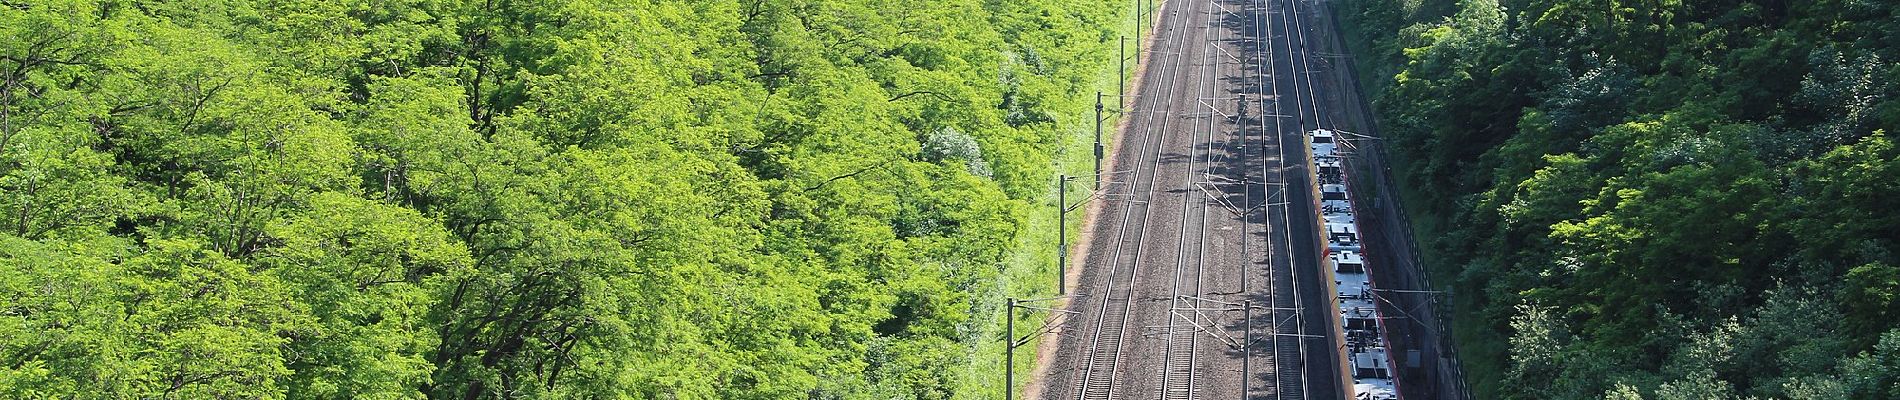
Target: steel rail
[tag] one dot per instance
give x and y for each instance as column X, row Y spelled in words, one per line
column 1090, row 382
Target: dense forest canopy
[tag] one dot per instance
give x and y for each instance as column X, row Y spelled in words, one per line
column 1674, row 199
column 524, row 198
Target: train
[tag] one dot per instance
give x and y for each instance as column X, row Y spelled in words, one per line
column 1360, row 323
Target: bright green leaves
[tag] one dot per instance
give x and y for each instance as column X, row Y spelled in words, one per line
column 54, row 180
column 370, row 273
column 54, row 184
column 414, row 138
column 584, row 255
column 230, row 147
column 63, row 329
column 176, row 320
column 423, row 198
column 211, row 324
column 1556, row 190
column 325, row 45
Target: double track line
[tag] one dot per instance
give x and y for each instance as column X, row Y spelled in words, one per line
column 1105, row 355
column 1184, row 367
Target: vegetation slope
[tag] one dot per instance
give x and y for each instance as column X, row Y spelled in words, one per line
column 1674, row 199
column 524, row 198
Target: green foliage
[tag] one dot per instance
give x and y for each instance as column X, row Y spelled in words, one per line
column 527, row 199
column 174, row 318
column 1692, row 195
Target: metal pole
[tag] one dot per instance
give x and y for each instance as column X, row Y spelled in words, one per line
column 1009, row 353
column 1062, row 235
column 1246, row 352
column 1121, row 73
column 1098, row 141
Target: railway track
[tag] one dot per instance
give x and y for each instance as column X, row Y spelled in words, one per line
column 1292, row 366
column 1169, row 326
column 1182, row 372
column 1105, row 351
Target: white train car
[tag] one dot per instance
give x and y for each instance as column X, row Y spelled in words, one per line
column 1360, row 323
